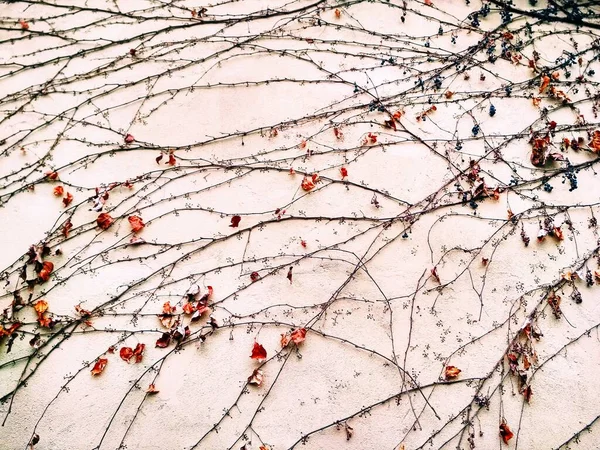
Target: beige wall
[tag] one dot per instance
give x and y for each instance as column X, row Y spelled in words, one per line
column 234, row 100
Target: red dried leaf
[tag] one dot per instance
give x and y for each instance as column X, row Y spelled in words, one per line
column 104, row 221
column 289, row 275
column 164, row 340
column 129, row 138
column 254, row 276
column 152, row 390
column 344, row 172
column 159, row 158
column 66, row 228
column 126, row 353
column 505, row 432
column 235, row 221
column 172, row 160
column 527, row 393
column 111, row 349
column 303, row 243
column 451, row 372
column 59, row 191
column 258, row 351
column 307, row 184
column 68, row 199
column 428, row 3
column 435, row 275
column 99, row 366
column 338, row 134
column 298, row 335
column 44, row 273
column 24, row 24
column 136, row 223
column 138, row 352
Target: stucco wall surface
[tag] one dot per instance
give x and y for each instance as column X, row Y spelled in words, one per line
column 306, row 224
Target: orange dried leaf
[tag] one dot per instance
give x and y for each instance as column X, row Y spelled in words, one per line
column 41, row 306
column 59, row 191
column 99, row 366
column 152, row 390
column 451, row 372
column 337, row 13
column 189, row 308
column 47, row 268
column 24, row 24
column 544, row 84
column 285, row 340
column 136, row 223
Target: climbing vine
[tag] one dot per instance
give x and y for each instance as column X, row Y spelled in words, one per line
column 320, row 224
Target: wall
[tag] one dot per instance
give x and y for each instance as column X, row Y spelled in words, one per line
column 426, row 242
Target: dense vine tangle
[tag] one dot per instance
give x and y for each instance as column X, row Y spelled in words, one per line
column 383, row 203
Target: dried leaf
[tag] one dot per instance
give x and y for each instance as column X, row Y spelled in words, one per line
column 67, row 199
column 435, row 275
column 164, row 340
column 138, row 352
column 254, row 276
column 46, row 270
column 307, row 183
column 256, row 378
column 99, row 366
column 258, row 351
column 129, row 138
column 152, row 390
column 235, row 221
column 289, row 275
column 544, row 84
column 59, row 191
column 172, row 160
column 136, row 223
column 344, row 172
column 104, row 221
column 298, row 335
column 451, row 372
column 41, row 306
column 505, row 432
column 126, row 353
